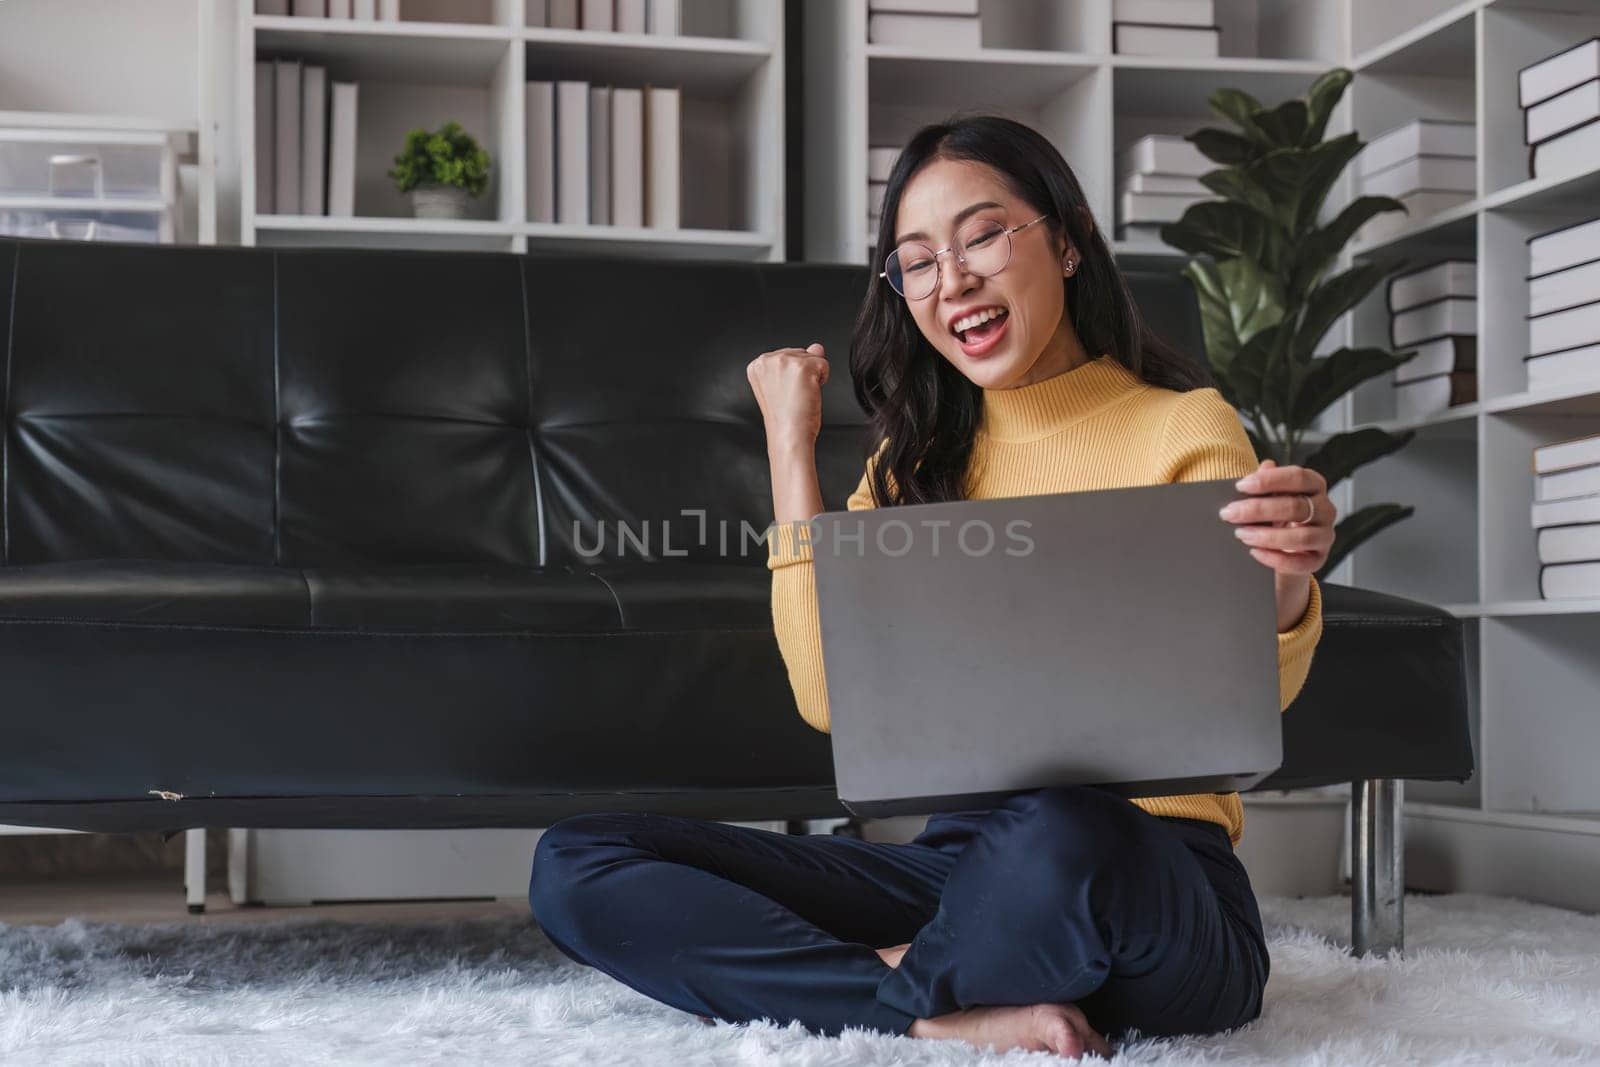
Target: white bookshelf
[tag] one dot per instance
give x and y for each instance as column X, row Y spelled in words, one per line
column 1533, row 664
column 469, row 60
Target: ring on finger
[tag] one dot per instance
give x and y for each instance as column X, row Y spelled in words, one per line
column 1311, row 511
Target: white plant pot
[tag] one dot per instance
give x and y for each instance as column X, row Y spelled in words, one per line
column 439, row 202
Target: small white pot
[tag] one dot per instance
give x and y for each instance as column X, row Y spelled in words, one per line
column 439, row 202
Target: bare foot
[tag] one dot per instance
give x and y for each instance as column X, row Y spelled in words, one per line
column 1058, row 1028
column 892, row 955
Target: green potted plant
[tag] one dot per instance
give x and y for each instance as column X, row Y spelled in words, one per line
column 441, row 170
column 1261, row 261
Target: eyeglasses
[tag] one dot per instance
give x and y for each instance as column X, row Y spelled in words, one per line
column 982, row 247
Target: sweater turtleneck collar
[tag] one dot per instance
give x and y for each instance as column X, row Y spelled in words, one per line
column 1032, row 411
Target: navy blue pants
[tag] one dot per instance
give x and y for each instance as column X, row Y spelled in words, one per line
column 1069, row 895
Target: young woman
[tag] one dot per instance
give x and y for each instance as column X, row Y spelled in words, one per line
column 999, row 354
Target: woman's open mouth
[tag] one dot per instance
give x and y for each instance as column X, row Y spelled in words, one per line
column 981, row 339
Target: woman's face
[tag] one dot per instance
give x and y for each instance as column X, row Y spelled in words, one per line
column 1033, row 339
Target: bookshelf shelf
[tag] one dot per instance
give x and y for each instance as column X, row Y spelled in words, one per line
column 727, row 64
column 1579, row 398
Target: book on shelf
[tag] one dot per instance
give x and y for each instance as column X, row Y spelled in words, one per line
column 1576, row 509
column 266, row 136
column 1136, row 208
column 1577, row 543
column 342, row 149
column 272, row 7
column 1423, row 137
column 286, row 141
column 540, row 118
column 389, row 10
column 627, row 156
column 1421, row 205
column 1567, row 367
column 1172, row 42
column 1563, row 247
column 1448, row 277
column 925, row 7
column 365, row 10
column 600, row 155
column 1556, row 331
column 1579, row 284
column 558, row 14
column 663, row 121
column 313, row 139
column 1565, row 484
column 1160, row 153
column 1429, row 396
column 1559, row 72
column 597, row 15
column 309, row 9
column 632, row 17
column 1442, row 355
column 1565, row 455
column 665, row 17
column 339, row 9
column 572, row 152
column 1450, row 174
column 946, row 32
column 1168, row 184
column 1561, row 112
column 1561, row 580
column 1573, row 152
column 880, row 162
column 1165, row 12
column 1446, row 316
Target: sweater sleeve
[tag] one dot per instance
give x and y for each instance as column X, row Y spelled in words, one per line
column 1204, row 439
column 794, row 608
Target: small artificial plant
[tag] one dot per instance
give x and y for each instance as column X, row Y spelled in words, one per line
column 1261, row 257
column 447, row 156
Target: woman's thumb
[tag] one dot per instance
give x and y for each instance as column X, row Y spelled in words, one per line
column 815, row 345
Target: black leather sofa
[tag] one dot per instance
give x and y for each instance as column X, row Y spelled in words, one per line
column 306, row 538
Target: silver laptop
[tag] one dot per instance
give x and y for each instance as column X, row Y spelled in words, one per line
column 1122, row 638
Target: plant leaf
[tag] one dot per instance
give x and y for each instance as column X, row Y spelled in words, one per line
column 1357, row 527
column 1237, row 106
column 1248, row 370
column 1333, row 298
column 1216, row 314
column 1319, row 248
column 1283, row 126
column 1321, row 99
column 1226, row 230
column 1331, row 377
column 1230, row 183
column 1223, row 146
column 1344, row 452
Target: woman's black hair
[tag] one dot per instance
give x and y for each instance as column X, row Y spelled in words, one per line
column 927, row 409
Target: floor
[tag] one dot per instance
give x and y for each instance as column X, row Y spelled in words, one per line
column 160, row 899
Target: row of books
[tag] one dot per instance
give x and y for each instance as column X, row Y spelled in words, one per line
column 1564, row 305
column 1429, row 165
column 1434, row 311
column 305, row 140
column 1566, row 514
column 1182, row 28
column 880, row 162
column 945, row 25
column 604, row 155
column 619, row 16
column 1560, row 98
column 1160, row 179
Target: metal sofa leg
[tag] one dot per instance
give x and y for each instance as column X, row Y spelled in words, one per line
column 194, row 869
column 1377, row 867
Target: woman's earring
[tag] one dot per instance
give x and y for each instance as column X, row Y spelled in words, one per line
column 1071, row 266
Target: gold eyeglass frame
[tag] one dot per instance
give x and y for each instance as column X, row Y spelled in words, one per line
column 938, row 267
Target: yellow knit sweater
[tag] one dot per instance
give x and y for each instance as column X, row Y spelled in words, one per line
column 1097, row 426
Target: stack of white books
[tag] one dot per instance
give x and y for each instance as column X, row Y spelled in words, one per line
column 1183, row 28
column 1560, row 98
column 942, row 25
column 1566, row 514
column 367, row 10
column 1564, row 306
column 880, row 162
column 603, row 155
column 1160, row 180
column 305, row 140
column 1434, row 312
column 1429, row 166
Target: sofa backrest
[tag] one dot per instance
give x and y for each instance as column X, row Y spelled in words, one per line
column 328, row 407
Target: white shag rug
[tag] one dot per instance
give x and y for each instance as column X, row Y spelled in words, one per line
column 1485, row 980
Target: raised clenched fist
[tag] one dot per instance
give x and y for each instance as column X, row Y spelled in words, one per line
column 788, row 386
